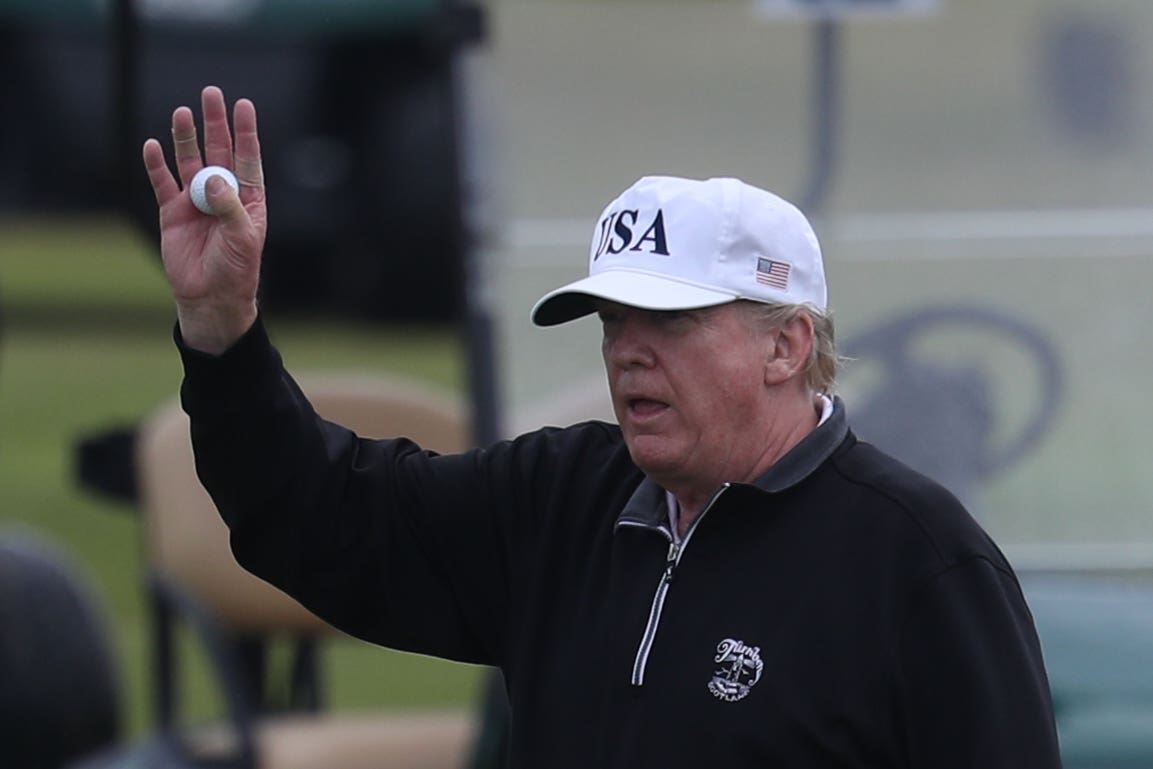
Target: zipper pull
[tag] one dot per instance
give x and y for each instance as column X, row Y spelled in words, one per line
column 671, row 561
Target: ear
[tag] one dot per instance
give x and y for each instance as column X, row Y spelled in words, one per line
column 789, row 350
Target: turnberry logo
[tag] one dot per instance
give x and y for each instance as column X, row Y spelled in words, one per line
column 739, row 669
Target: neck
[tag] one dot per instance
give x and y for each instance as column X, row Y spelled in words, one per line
column 783, row 433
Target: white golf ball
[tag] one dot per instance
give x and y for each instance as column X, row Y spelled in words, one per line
column 196, row 188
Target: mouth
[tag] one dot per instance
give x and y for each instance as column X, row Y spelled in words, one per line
column 641, row 409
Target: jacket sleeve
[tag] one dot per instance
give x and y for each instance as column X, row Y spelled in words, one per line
column 386, row 541
column 973, row 687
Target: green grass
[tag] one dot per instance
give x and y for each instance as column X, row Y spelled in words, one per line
column 86, row 348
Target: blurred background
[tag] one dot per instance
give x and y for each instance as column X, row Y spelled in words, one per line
column 978, row 173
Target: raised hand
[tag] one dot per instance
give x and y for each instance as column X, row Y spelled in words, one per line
column 212, row 262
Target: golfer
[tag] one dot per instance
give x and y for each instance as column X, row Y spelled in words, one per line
column 729, row 578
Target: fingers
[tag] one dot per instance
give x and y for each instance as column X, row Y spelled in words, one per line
column 225, row 203
column 217, row 136
column 247, row 166
column 218, row 146
column 163, row 184
column 185, row 145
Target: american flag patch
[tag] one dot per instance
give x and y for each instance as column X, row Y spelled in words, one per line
column 773, row 273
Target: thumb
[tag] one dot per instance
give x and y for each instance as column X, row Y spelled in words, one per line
column 223, row 199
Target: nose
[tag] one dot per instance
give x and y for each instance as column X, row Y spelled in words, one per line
column 626, row 342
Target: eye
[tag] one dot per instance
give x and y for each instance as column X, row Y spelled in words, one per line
column 608, row 316
column 673, row 316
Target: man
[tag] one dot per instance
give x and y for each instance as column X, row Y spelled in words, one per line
column 729, row 578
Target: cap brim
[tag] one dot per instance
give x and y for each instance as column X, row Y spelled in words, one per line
column 628, row 287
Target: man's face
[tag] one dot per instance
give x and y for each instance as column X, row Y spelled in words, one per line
column 688, row 390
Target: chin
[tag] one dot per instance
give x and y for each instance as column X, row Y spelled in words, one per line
column 650, row 456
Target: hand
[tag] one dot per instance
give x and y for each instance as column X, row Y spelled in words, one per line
column 212, row 262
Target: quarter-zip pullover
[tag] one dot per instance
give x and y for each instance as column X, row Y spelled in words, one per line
column 841, row 611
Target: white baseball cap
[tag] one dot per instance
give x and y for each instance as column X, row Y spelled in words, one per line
column 678, row 244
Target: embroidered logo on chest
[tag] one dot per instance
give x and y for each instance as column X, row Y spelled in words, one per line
column 738, row 669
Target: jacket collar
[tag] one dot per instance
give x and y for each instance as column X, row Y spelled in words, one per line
column 647, row 507
column 809, row 454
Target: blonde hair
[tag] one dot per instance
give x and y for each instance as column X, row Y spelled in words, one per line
column 821, row 368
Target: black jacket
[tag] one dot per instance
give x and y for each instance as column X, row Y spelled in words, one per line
column 843, row 611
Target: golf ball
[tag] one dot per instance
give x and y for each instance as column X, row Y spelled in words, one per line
column 196, row 189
